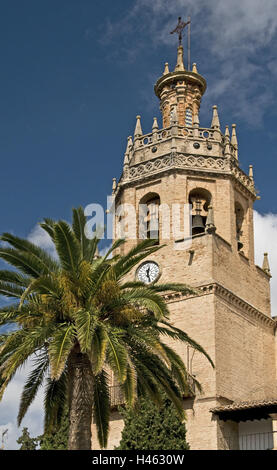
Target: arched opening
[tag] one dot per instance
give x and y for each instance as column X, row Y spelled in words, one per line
column 149, row 217
column 239, row 224
column 200, row 199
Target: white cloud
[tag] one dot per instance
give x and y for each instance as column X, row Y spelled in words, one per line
column 9, row 408
column 105, row 250
column 265, row 230
column 40, row 237
column 232, row 37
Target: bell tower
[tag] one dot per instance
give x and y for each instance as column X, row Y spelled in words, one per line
column 185, row 163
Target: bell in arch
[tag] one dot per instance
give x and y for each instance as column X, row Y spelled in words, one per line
column 197, row 221
column 240, row 244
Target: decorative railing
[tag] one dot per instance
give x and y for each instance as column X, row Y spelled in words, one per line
column 256, row 441
column 169, row 132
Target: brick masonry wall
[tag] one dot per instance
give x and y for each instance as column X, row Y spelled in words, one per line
column 241, row 342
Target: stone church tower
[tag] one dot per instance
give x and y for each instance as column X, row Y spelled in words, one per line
column 230, row 315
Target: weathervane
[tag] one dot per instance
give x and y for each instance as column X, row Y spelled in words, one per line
column 179, row 28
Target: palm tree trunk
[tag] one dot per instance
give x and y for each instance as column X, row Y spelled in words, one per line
column 80, row 400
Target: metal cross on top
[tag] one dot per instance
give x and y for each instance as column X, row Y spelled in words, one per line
column 179, row 28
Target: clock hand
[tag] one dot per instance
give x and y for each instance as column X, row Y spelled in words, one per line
column 147, row 274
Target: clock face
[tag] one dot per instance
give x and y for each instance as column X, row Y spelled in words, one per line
column 148, row 272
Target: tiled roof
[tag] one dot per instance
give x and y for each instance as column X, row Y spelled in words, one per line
column 244, row 405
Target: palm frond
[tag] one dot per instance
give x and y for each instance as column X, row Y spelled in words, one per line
column 131, row 285
column 130, row 385
column 161, row 374
column 60, row 346
column 55, row 400
column 98, row 348
column 78, row 226
column 121, row 269
column 101, row 407
column 9, row 289
column 67, row 247
column 14, row 278
column 114, row 247
column 34, row 381
column 48, row 225
column 145, row 297
column 46, row 262
column 117, row 356
column 175, row 287
column 146, row 382
column 91, row 249
column 26, row 262
column 46, row 285
column 182, row 336
column 16, row 350
column 85, row 324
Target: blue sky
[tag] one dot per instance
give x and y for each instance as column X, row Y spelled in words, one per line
column 74, row 75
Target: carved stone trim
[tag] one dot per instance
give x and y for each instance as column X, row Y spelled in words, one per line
column 230, row 297
column 211, row 164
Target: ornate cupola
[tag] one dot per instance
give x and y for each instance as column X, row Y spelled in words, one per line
column 181, row 90
column 203, row 158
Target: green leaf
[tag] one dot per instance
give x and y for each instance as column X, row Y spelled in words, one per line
column 78, row 226
column 14, row 278
column 85, row 324
column 18, row 347
column 55, row 401
column 126, row 262
column 10, row 290
column 101, row 407
column 45, row 261
column 175, row 287
column 24, row 261
column 34, row 381
column 114, row 246
column 59, row 349
column 130, row 384
column 67, row 247
column 181, row 335
column 145, row 297
column 48, row 225
column 117, row 356
column 98, row 348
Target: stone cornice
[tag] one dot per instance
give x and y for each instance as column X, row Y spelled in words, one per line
column 227, row 295
column 219, row 166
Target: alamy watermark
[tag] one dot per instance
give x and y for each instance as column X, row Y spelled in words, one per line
column 163, row 222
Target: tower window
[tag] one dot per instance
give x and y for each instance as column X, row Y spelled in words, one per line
column 239, row 223
column 200, row 200
column 188, row 119
column 152, row 219
column 149, row 223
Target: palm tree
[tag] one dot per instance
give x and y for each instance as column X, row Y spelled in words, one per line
column 77, row 318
